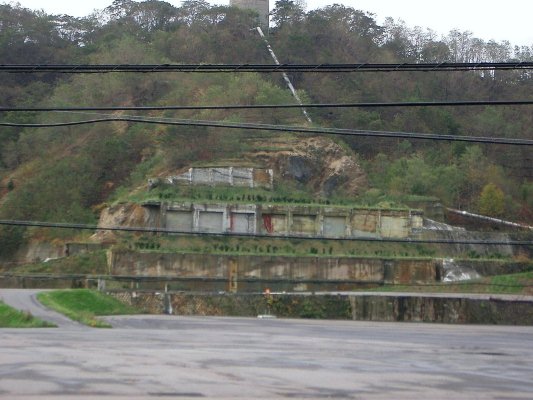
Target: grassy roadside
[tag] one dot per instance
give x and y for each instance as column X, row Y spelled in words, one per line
column 11, row 318
column 519, row 284
column 85, row 305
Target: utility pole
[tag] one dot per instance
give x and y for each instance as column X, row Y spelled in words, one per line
column 285, row 76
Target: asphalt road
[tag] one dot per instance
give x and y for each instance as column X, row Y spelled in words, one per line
column 195, row 357
column 26, row 300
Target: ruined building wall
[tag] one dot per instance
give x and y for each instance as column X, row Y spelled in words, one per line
column 251, row 273
column 221, row 176
column 277, row 220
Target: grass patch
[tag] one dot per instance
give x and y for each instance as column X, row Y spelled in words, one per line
column 11, row 318
column 520, row 283
column 85, row 305
column 294, row 247
column 513, row 283
column 281, row 195
column 89, row 263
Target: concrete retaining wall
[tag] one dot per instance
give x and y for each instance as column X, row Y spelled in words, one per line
column 275, row 220
column 376, row 307
column 44, row 282
column 457, row 239
column 239, row 273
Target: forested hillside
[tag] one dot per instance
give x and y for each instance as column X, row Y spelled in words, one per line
column 68, row 173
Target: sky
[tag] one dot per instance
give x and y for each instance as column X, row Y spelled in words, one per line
column 489, row 20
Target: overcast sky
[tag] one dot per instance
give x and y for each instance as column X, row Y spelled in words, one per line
column 509, row 20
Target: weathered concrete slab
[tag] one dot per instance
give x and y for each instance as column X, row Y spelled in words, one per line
column 194, row 357
column 346, row 271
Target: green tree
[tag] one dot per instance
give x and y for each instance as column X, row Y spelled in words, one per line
column 491, row 201
column 286, row 12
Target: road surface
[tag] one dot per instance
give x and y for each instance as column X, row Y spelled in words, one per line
column 199, row 357
column 26, row 300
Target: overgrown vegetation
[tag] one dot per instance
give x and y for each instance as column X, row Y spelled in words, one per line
column 92, row 263
column 513, row 283
column 281, row 194
column 84, row 305
column 520, row 283
column 11, row 318
column 69, row 174
column 298, row 247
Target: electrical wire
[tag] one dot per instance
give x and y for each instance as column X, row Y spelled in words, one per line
column 270, row 68
column 184, row 279
column 346, row 67
column 276, row 106
column 284, row 128
column 63, row 225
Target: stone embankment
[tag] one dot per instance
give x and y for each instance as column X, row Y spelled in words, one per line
column 369, row 306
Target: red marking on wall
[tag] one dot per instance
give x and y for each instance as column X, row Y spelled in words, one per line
column 267, row 223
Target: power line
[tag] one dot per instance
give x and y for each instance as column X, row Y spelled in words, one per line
column 62, row 225
column 285, row 128
column 275, row 106
column 364, row 67
column 182, row 279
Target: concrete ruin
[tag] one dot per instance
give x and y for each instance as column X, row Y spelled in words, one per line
column 166, row 271
column 253, row 273
column 236, row 271
column 280, row 220
column 221, row 176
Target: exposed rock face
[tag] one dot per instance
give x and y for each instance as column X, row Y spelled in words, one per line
column 299, row 168
column 318, row 162
column 125, row 215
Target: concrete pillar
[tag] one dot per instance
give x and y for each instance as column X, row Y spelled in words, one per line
column 388, row 271
column 167, row 304
column 195, row 220
column 163, row 215
column 233, row 276
column 319, row 224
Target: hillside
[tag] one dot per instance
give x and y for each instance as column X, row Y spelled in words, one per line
column 70, row 174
